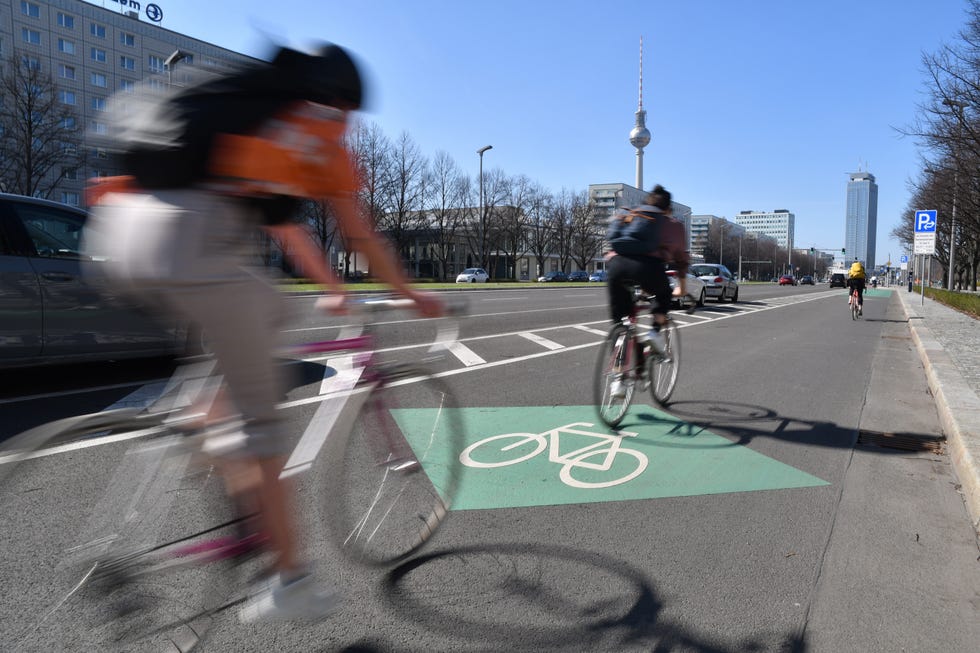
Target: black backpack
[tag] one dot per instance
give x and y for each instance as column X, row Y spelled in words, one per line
column 635, row 232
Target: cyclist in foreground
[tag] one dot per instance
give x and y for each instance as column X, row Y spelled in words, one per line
column 641, row 242
column 242, row 151
column 856, row 278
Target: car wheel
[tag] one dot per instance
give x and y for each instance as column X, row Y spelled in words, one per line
column 701, row 299
column 473, row 280
column 721, row 296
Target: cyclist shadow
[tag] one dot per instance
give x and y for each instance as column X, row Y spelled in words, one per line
column 523, row 597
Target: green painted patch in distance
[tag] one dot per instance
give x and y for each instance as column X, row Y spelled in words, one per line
column 556, row 455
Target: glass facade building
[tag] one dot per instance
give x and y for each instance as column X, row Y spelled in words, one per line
column 861, row 219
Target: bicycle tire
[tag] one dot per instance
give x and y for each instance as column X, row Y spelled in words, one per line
column 614, row 363
column 662, row 369
column 84, row 588
column 392, row 474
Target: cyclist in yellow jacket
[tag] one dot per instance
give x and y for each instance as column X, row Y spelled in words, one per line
column 856, row 279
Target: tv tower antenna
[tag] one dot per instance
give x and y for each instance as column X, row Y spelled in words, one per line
column 640, row 135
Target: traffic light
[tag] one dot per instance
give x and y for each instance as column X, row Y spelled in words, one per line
column 841, row 250
column 811, row 250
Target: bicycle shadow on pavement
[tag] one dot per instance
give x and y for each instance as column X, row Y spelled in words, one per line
column 746, row 422
column 532, row 597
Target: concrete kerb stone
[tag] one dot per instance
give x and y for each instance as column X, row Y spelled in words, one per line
column 958, row 407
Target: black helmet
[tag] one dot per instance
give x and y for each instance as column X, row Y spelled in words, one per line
column 329, row 76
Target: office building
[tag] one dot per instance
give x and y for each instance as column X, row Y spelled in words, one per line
column 700, row 227
column 861, row 219
column 780, row 225
column 92, row 52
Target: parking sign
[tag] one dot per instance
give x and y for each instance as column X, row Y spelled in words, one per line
column 925, row 232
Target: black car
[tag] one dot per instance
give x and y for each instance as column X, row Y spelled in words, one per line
column 557, row 275
column 806, row 280
column 838, row 280
column 55, row 305
column 578, row 275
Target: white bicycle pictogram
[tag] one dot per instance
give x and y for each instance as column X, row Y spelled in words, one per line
column 530, row 445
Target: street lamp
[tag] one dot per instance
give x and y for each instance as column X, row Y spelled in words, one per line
column 482, row 211
column 957, row 108
column 170, row 62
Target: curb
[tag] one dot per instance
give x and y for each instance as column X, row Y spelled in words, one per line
column 958, row 407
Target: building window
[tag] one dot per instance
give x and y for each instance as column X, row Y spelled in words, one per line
column 66, row 72
column 31, row 63
column 100, row 128
column 30, row 9
column 70, row 174
column 98, row 79
column 66, row 20
column 69, row 198
column 66, row 46
column 98, row 104
column 127, row 39
column 127, row 63
column 68, row 123
column 98, row 31
column 30, row 36
column 98, row 55
column 67, row 97
column 127, row 85
column 155, row 63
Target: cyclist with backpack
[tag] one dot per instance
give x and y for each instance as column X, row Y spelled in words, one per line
column 209, row 165
column 856, row 278
column 641, row 242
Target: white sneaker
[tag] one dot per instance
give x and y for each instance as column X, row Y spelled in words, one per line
column 617, row 389
column 655, row 339
column 298, row 600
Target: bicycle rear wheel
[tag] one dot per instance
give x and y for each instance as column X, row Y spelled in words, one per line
column 392, row 478
column 613, row 385
column 75, row 553
column 663, row 368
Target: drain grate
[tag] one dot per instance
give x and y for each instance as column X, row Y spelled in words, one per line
column 905, row 441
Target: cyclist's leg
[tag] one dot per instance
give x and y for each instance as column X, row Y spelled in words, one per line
column 621, row 272
column 656, row 283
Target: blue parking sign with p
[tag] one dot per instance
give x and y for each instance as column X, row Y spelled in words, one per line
column 925, row 222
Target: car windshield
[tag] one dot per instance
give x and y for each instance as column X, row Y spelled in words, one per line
column 703, row 270
column 470, row 271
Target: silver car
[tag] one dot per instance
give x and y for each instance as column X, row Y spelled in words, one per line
column 55, row 305
column 719, row 282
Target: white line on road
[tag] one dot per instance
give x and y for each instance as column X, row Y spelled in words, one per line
column 544, row 342
column 587, row 329
column 465, row 355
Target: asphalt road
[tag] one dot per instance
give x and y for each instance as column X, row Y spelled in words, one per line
column 757, row 523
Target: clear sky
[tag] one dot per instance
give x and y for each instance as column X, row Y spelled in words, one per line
column 753, row 104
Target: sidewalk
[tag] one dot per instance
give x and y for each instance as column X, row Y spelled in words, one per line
column 949, row 345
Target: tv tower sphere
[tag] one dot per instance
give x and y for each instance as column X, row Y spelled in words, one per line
column 640, row 136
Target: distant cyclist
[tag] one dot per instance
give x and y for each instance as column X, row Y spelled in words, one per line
column 856, row 279
column 641, row 243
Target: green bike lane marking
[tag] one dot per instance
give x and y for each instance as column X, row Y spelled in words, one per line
column 565, row 455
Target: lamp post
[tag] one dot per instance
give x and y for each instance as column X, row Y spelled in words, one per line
column 482, row 211
column 957, row 108
column 170, row 62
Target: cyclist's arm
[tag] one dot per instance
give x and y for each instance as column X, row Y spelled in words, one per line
column 297, row 245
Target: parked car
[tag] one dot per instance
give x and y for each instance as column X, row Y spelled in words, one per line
column 806, row 280
column 598, row 275
column 54, row 300
column 578, row 275
column 838, row 280
column 557, row 275
column 695, row 287
column 473, row 275
column 787, row 280
column 718, row 280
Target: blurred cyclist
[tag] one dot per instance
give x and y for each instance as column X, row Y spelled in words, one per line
column 856, row 277
column 641, row 242
column 240, row 153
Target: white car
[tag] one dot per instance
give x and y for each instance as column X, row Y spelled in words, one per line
column 695, row 287
column 473, row 275
column 719, row 282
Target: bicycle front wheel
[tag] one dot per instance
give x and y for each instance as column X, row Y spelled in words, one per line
column 85, row 514
column 663, row 368
column 392, row 478
column 613, row 384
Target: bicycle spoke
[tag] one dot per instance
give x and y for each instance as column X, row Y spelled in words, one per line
column 613, row 385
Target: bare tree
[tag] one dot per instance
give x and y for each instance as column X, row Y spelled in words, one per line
column 484, row 234
column 560, row 216
column 448, row 189
column 40, row 138
column 407, row 192
column 540, row 231
column 514, row 220
column 371, row 151
column 587, row 234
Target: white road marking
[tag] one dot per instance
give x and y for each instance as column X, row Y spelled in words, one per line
column 465, row 355
column 587, row 329
column 544, row 342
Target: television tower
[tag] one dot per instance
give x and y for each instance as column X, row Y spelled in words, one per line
column 640, row 135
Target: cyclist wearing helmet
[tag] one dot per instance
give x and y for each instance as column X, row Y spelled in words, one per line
column 181, row 235
column 856, row 278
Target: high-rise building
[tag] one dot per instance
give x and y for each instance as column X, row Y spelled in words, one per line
column 861, row 219
column 93, row 52
column 779, row 225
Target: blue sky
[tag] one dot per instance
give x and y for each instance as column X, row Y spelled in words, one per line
column 753, row 104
